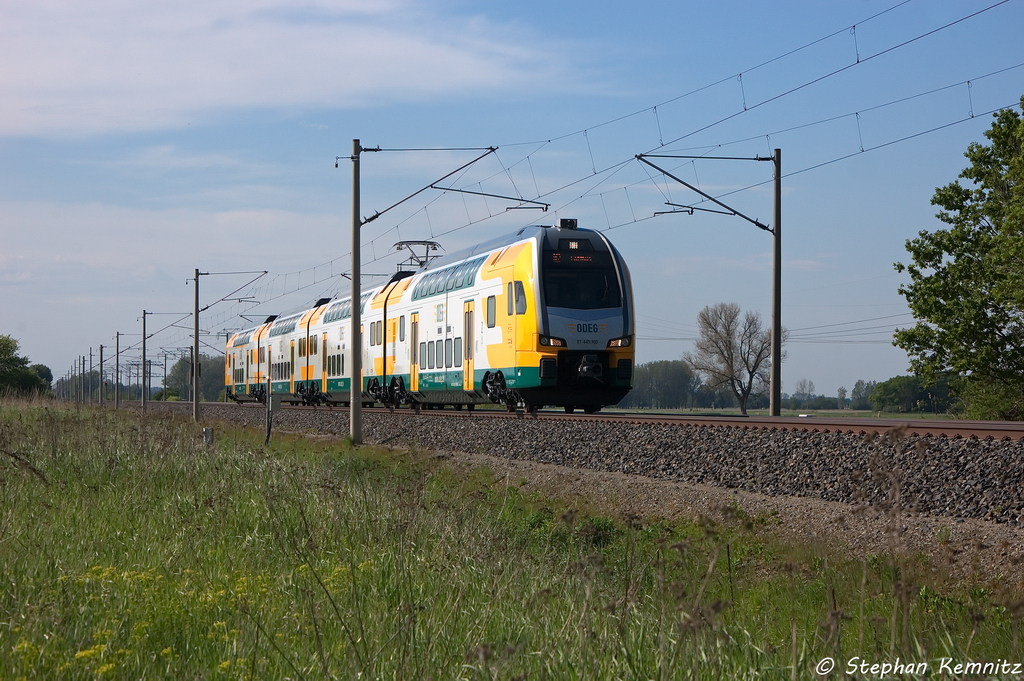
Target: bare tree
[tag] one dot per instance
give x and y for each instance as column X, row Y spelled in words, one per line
column 732, row 351
column 804, row 389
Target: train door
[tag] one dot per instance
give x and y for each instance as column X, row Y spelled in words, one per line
column 323, row 363
column 467, row 345
column 291, row 370
column 509, row 322
column 390, row 352
column 414, row 359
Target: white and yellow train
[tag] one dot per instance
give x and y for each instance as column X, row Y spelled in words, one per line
column 543, row 317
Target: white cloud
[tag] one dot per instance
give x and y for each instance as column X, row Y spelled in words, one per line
column 111, row 65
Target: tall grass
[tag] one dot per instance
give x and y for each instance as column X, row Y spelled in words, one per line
column 129, row 549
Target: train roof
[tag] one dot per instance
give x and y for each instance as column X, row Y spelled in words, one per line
column 548, row 232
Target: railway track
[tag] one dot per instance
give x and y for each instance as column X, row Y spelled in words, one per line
column 982, row 430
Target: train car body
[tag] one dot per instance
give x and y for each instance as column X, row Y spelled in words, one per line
column 543, row 317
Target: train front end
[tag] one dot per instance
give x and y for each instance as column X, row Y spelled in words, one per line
column 585, row 341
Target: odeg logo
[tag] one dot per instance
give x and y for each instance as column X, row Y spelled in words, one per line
column 587, row 328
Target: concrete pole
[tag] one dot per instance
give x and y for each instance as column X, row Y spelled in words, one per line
column 775, row 401
column 195, row 354
column 91, row 396
column 117, row 370
column 143, row 381
column 356, row 394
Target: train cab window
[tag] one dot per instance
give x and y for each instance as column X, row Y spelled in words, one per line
column 458, row 352
column 490, row 312
column 520, row 298
column 430, row 355
column 401, row 328
column 448, row 352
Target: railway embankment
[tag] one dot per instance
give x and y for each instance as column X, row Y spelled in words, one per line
column 959, row 477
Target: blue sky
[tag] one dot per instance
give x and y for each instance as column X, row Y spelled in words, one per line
column 139, row 141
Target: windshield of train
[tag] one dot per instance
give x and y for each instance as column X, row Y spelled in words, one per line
column 580, row 280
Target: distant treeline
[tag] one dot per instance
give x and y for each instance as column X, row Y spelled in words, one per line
column 673, row 384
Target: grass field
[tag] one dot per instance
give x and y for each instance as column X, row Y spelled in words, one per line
column 129, row 549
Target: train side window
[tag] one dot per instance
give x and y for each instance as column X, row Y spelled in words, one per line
column 342, row 371
column 430, row 355
column 380, row 329
column 448, row 352
column 371, row 334
column 490, row 312
column 458, row 352
column 401, row 328
column 422, row 355
column 440, row 353
column 520, row 298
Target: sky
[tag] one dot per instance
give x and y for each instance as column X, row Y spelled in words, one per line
column 140, row 141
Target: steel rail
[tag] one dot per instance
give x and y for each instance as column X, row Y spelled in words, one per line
column 982, row 430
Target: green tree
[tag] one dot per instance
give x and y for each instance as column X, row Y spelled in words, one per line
column 900, row 394
column 967, row 281
column 15, row 374
column 43, row 372
column 860, row 396
column 211, row 377
column 664, row 384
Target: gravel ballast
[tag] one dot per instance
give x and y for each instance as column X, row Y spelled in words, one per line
column 964, row 478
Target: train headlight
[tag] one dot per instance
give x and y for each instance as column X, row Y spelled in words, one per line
column 551, row 342
column 623, row 342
